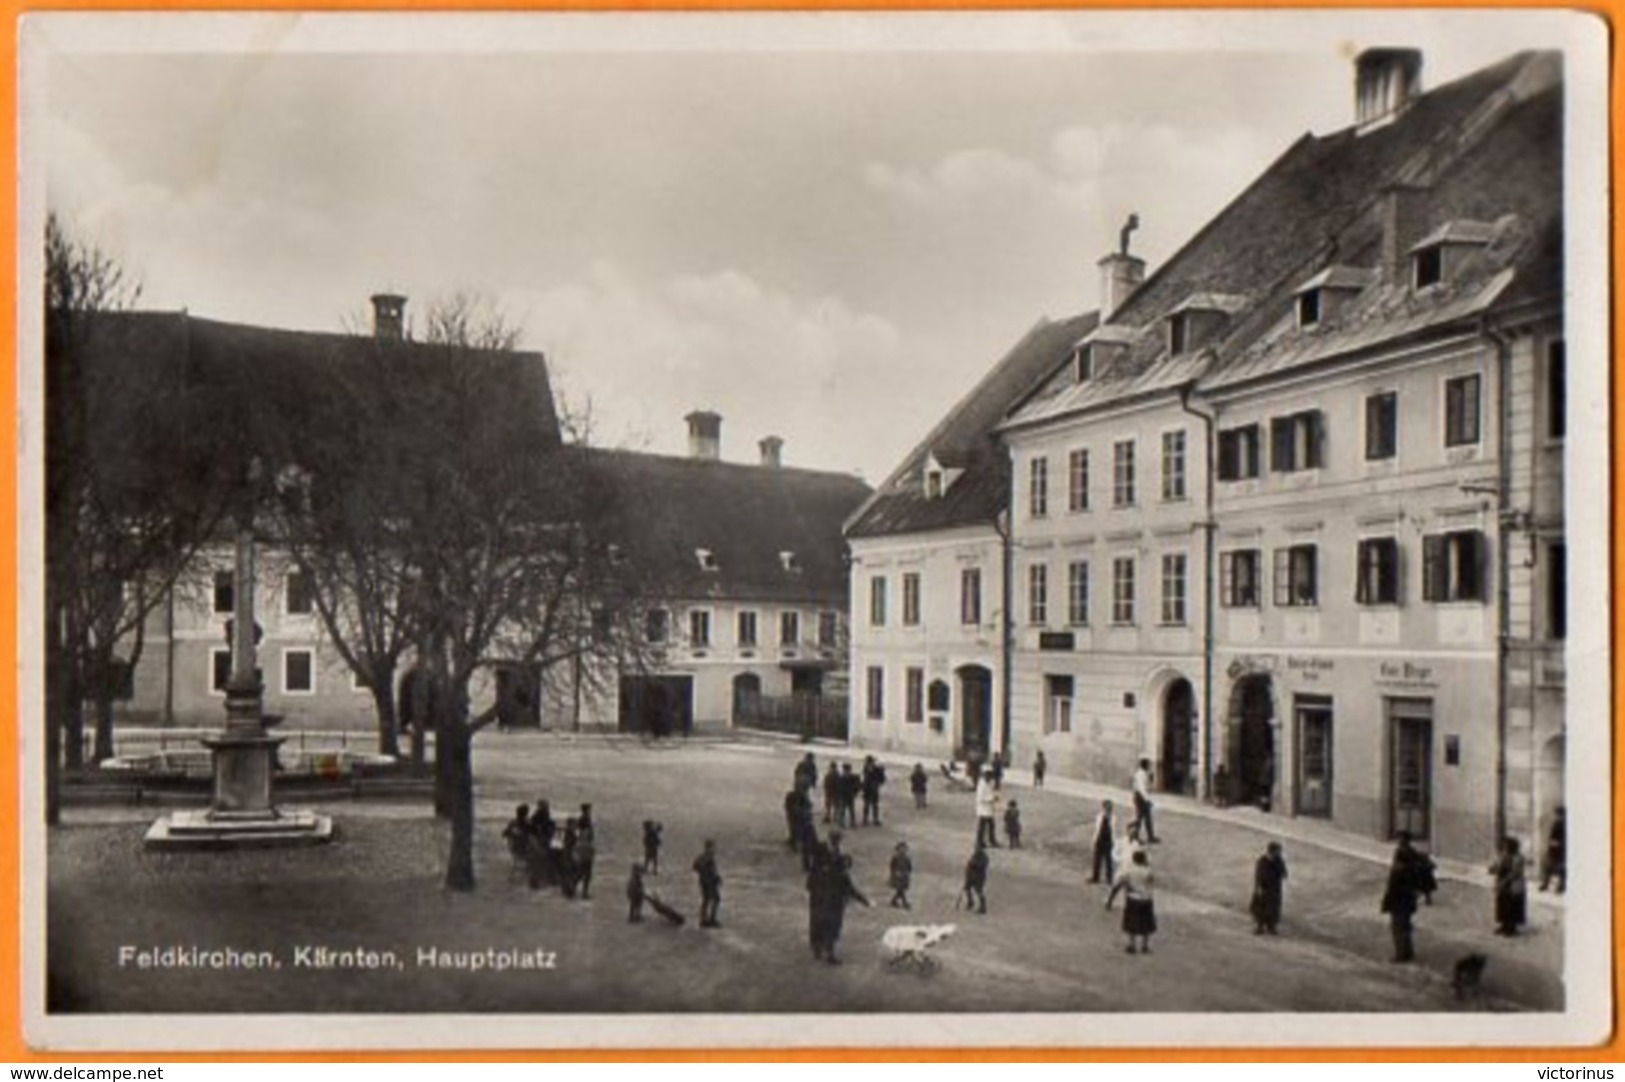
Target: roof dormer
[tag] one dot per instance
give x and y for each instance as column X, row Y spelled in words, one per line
column 1322, row 298
column 1199, row 320
column 707, row 560
column 940, row 474
column 1097, row 354
column 1437, row 257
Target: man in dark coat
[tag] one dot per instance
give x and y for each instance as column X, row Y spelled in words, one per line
column 705, row 869
column 829, row 889
column 874, row 776
column 1410, row 877
column 1269, row 879
column 832, row 794
column 807, row 772
column 851, row 785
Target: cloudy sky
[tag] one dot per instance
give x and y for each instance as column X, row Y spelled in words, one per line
column 824, row 227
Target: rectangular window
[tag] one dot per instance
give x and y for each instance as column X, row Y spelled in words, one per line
column 1410, row 764
column 1058, row 704
column 1556, row 390
column 657, row 625
column 219, row 668
column 1239, row 578
column 1295, row 442
column 1309, row 308
column 747, row 629
column 1123, row 473
column 877, row 601
column 1377, row 578
column 911, row 599
column 225, row 593
column 914, row 700
column 1295, row 584
column 1173, row 465
column 1453, row 566
column 1238, row 453
column 1429, row 266
column 1461, row 415
column 875, row 688
column 299, row 593
column 1381, row 426
column 1077, row 487
column 298, row 672
column 1038, row 487
column 1557, row 589
column 829, row 628
column 1123, row 590
column 1038, row 594
column 789, row 629
column 1178, row 334
column 1077, row 593
column 1173, row 588
column 970, row 595
column 699, row 627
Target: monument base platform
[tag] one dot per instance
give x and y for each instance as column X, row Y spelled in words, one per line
column 272, row 829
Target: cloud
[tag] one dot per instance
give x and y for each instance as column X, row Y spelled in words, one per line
column 815, row 370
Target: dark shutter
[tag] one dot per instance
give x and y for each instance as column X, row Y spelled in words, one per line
column 1229, row 457
column 1283, row 577
column 1227, row 579
column 1433, row 567
column 1281, row 460
column 1314, row 437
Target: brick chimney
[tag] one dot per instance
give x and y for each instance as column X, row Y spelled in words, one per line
column 1120, row 273
column 1403, row 214
column 388, row 317
column 704, row 435
column 772, row 448
column 1385, row 82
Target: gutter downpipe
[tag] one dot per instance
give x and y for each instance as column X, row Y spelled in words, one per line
column 1208, row 525
column 1007, row 630
column 1503, row 565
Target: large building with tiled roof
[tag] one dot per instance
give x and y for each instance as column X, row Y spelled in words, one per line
column 929, row 578
column 1289, row 521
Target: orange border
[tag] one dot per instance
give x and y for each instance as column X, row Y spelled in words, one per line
column 14, row 1049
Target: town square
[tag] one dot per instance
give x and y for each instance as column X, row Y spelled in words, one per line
column 903, row 527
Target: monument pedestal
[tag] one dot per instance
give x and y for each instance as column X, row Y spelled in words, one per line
column 241, row 815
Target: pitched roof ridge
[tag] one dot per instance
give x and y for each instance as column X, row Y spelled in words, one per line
column 752, row 469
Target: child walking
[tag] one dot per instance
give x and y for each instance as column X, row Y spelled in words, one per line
column 902, row 872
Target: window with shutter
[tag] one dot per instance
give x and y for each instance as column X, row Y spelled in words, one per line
column 1454, row 566
column 1377, row 581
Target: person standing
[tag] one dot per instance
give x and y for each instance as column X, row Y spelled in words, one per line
column 1012, row 824
column 635, row 895
column 986, row 804
column 902, row 873
column 1142, row 804
column 792, row 815
column 1040, row 766
column 1102, row 843
column 997, row 767
column 832, row 794
column 976, row 878
column 1408, row 879
column 919, row 781
column 806, row 774
column 851, row 785
column 874, row 776
column 651, row 846
column 705, row 869
column 1137, row 884
column 829, row 889
column 1269, row 880
column 1554, row 864
column 1511, row 890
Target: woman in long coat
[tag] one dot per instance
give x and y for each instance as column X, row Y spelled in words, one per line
column 829, row 888
column 1269, row 877
column 1511, row 892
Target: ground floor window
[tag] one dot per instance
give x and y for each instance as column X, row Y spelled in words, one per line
column 1057, row 704
column 914, row 700
column 876, row 692
column 1314, row 720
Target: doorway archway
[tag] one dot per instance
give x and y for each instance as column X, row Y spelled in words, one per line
column 974, row 738
column 1178, row 769
column 1250, row 742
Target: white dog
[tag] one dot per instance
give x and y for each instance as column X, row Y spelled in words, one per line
column 910, row 944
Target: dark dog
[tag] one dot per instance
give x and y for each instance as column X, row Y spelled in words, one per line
column 1468, row 980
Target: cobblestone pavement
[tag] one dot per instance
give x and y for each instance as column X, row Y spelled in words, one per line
column 1046, row 944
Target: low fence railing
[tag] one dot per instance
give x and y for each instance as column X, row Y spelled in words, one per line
column 807, row 716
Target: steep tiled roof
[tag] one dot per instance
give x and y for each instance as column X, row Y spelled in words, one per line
column 1482, row 147
column 744, row 516
column 963, row 440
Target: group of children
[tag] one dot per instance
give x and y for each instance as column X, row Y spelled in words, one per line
column 553, row 854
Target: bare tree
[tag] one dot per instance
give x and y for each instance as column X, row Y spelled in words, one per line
column 124, row 509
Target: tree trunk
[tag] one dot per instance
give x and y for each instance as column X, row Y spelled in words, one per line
column 55, row 698
column 104, row 725
column 383, row 701
column 73, row 716
column 455, row 748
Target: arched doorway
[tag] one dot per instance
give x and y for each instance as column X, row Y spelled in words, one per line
column 747, row 688
column 1178, row 712
column 1251, row 742
column 975, row 736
